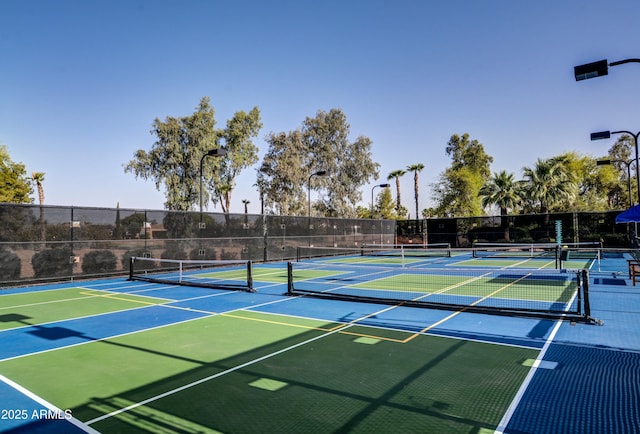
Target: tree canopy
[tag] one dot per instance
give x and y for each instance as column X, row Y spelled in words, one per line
column 15, row 185
column 241, row 153
column 174, row 160
column 457, row 191
column 320, row 144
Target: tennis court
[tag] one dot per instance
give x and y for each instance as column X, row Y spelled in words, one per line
column 119, row 355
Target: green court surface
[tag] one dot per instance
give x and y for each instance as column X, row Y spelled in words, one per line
column 46, row 306
column 250, row 372
column 526, row 288
column 140, row 357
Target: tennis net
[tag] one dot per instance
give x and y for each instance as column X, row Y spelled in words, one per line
column 545, row 251
column 397, row 251
column 551, row 294
column 217, row 274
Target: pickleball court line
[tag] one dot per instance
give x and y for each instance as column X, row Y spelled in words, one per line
column 235, row 368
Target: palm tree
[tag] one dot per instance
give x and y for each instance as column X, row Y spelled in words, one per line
column 548, row 183
column 415, row 168
column 38, row 178
column 245, row 202
column 397, row 174
column 503, row 191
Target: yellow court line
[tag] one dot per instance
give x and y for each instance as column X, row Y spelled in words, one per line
column 336, row 328
column 366, row 335
column 115, row 297
column 465, row 308
column 276, row 322
column 401, row 341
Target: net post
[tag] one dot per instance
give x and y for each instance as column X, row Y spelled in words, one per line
column 585, row 290
column 289, row 278
column 131, row 260
column 250, row 276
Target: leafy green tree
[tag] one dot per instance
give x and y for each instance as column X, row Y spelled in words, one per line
column 99, row 261
column 242, row 153
column 118, row 230
column 457, row 191
column 396, row 174
column 603, row 189
column 348, row 164
column 322, row 143
column 385, row 207
column 415, row 168
column 589, row 187
column 175, row 158
column 10, row 264
column 15, row 186
column 132, row 225
column 280, row 176
column 502, row 190
column 363, row 212
column 621, row 154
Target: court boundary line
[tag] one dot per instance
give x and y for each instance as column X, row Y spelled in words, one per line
column 113, row 336
column 236, row 368
column 515, row 402
column 423, row 332
column 205, row 314
column 26, row 392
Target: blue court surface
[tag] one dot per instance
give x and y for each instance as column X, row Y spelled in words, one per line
column 582, row 377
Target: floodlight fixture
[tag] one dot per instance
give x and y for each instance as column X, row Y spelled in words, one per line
column 374, row 187
column 318, row 173
column 601, row 135
column 591, row 70
column 218, row 152
column 597, row 69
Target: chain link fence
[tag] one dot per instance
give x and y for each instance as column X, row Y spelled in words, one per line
column 527, row 228
column 45, row 243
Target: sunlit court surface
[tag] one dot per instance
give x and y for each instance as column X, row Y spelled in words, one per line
column 448, row 341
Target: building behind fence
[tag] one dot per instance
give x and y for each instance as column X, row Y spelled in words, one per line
column 45, row 243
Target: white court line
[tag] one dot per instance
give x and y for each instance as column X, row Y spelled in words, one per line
column 235, row 368
column 47, row 405
column 525, row 384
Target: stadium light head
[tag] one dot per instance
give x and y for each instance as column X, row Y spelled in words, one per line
column 591, row 70
column 601, row 135
column 219, row 152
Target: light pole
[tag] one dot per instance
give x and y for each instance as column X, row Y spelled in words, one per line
column 318, row 173
column 607, row 134
column 219, row 152
column 374, row 187
column 626, row 163
column 597, row 69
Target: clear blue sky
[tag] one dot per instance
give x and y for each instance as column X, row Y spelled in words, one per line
column 81, row 81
